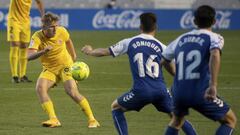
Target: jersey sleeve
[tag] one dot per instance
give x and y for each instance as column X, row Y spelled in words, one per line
column 35, row 42
column 119, row 48
column 168, row 52
column 163, row 47
column 65, row 34
column 217, row 41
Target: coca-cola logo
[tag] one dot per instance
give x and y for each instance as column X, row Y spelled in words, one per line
column 128, row 19
column 222, row 20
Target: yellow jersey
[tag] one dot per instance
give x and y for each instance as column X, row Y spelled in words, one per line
column 58, row 57
column 19, row 10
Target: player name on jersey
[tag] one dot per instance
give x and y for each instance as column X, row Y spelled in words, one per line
column 191, row 39
column 147, row 44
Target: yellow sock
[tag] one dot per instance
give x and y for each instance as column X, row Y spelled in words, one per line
column 49, row 109
column 22, row 61
column 86, row 109
column 13, row 58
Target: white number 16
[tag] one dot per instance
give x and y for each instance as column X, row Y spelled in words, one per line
column 152, row 68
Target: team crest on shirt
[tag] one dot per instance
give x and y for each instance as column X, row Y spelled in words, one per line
column 31, row 43
column 66, row 69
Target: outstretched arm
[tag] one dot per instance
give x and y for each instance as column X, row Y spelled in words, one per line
column 40, row 7
column 214, row 66
column 34, row 54
column 98, row 52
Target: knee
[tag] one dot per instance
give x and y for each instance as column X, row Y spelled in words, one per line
column 15, row 44
column 230, row 119
column 42, row 93
column 115, row 105
column 40, row 89
column 72, row 92
column 235, row 122
column 23, row 46
column 176, row 122
column 170, row 114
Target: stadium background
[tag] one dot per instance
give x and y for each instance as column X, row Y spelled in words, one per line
column 90, row 22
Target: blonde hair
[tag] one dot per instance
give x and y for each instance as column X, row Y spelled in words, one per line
column 49, row 18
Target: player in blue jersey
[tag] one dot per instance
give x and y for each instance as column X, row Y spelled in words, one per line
column 197, row 60
column 144, row 53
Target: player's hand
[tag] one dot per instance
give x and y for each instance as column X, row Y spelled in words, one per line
column 87, row 49
column 211, row 93
column 47, row 49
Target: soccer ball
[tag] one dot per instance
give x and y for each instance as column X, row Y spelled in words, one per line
column 80, row 71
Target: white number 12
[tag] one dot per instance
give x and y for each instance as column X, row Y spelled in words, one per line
column 195, row 57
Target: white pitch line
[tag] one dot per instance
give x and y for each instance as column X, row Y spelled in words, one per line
column 228, row 75
column 89, row 60
column 107, row 73
column 116, row 73
column 229, row 88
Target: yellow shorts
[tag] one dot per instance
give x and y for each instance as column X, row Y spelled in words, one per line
column 63, row 74
column 18, row 32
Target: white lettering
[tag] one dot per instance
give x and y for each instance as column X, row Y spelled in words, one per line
column 186, row 21
column 124, row 20
column 191, row 39
column 6, row 20
column 36, row 21
column 1, row 16
column 223, row 20
column 147, row 44
column 63, row 21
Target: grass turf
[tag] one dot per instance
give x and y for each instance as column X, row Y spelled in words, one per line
column 21, row 112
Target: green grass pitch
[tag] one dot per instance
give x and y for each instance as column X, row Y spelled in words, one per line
column 21, row 113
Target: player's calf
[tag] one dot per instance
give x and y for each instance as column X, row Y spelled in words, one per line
column 230, row 119
column 228, row 123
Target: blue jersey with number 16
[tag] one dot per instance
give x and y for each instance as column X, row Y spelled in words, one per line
column 144, row 52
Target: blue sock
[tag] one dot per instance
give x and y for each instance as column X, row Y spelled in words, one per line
column 171, row 131
column 188, row 128
column 120, row 122
column 224, row 130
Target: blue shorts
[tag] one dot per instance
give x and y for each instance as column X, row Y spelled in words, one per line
column 213, row 110
column 137, row 99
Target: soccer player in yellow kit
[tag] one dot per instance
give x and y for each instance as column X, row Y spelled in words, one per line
column 55, row 48
column 18, row 34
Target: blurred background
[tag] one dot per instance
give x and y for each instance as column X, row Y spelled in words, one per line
column 123, row 14
column 146, row 4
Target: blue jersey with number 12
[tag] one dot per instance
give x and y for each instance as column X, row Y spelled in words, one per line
column 144, row 52
column 191, row 52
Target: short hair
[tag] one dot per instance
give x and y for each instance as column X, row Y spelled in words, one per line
column 204, row 16
column 49, row 18
column 148, row 22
